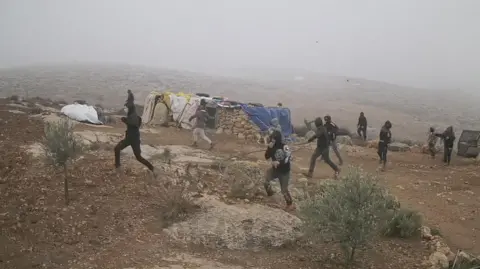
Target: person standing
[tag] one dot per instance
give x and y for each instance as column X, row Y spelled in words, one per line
column 448, row 137
column 132, row 135
column 201, row 117
column 332, row 130
column 431, row 142
column 322, row 150
column 385, row 138
column 280, row 156
column 362, row 126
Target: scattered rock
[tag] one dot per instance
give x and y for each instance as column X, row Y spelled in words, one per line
column 398, row 147
column 438, row 260
column 344, row 140
column 426, row 233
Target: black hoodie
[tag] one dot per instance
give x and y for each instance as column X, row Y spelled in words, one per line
column 132, row 120
column 279, row 152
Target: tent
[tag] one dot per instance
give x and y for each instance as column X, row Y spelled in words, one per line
column 81, row 113
column 468, row 144
column 262, row 117
column 161, row 107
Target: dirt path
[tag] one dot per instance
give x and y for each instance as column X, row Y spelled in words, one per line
column 447, row 196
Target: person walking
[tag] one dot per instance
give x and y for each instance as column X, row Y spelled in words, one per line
column 385, row 138
column 201, row 117
column 448, row 137
column 362, row 126
column 322, row 150
column 332, row 130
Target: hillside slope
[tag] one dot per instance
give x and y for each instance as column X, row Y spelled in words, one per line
column 411, row 110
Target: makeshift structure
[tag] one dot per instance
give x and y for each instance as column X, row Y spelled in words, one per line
column 468, row 144
column 225, row 116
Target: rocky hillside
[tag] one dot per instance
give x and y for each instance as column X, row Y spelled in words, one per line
column 412, row 111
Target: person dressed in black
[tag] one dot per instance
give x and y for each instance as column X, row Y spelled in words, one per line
column 322, row 150
column 448, row 137
column 332, row 130
column 132, row 135
column 362, row 126
column 383, row 142
column 279, row 154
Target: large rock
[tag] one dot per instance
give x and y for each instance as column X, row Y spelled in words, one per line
column 438, row 260
column 344, row 140
column 397, row 146
column 309, row 134
column 247, row 226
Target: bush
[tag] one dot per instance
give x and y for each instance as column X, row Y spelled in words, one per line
column 61, row 146
column 403, row 223
column 350, row 211
column 175, row 203
column 244, row 179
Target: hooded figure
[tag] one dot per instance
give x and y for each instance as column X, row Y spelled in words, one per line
column 385, row 138
column 448, row 137
column 362, row 126
column 275, row 126
column 431, row 142
column 322, row 150
column 132, row 135
column 279, row 154
column 332, row 130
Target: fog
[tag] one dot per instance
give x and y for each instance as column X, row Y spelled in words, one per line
column 428, row 43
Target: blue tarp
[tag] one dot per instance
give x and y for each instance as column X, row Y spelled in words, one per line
column 262, row 116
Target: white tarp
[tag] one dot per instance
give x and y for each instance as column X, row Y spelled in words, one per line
column 177, row 104
column 148, row 107
column 82, row 113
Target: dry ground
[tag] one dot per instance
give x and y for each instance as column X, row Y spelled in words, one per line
column 113, row 221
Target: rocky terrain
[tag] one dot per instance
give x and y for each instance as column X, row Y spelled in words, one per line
column 124, row 220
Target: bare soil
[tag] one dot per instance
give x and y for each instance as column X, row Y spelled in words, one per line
column 113, row 221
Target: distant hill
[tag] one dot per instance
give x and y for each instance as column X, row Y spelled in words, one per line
column 411, row 110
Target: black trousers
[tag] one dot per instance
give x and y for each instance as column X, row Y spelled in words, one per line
column 135, row 144
column 325, row 155
column 382, row 152
column 447, row 154
column 362, row 132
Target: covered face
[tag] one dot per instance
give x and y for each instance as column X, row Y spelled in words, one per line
column 274, row 122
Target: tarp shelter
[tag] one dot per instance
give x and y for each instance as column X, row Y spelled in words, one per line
column 262, row 116
column 160, row 107
column 81, row 113
column 468, row 144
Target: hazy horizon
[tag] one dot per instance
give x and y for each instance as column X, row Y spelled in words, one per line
column 426, row 44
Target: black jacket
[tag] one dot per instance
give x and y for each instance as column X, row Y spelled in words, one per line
column 362, row 121
column 332, row 130
column 448, row 138
column 280, row 152
column 321, row 134
column 385, row 136
column 133, row 122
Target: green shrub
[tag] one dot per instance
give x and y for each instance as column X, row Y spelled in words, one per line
column 404, row 223
column 61, row 146
column 349, row 211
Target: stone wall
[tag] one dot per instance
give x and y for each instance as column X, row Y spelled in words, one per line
column 233, row 121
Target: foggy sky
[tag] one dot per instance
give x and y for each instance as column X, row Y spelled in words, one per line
column 423, row 43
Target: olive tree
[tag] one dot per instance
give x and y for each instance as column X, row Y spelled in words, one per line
column 350, row 211
column 61, row 147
